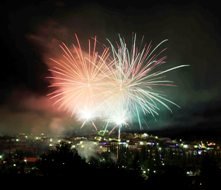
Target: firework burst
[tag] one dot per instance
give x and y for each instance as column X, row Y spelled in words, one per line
column 119, row 86
column 78, row 78
column 136, row 73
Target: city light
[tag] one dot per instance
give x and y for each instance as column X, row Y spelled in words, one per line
column 157, row 153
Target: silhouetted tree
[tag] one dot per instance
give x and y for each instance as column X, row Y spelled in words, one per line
column 210, row 172
column 61, row 161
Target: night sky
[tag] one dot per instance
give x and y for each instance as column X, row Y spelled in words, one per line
column 33, row 31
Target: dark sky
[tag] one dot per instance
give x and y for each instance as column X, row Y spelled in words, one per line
column 34, row 29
